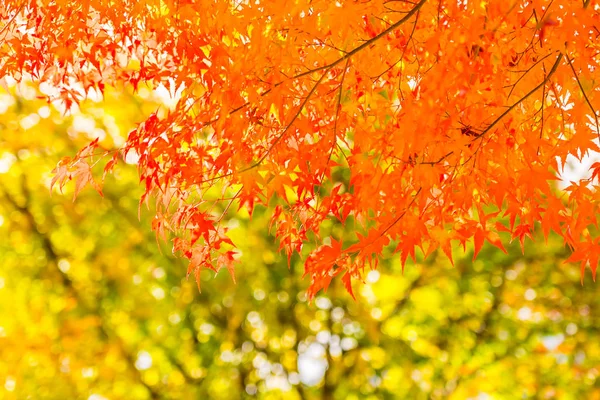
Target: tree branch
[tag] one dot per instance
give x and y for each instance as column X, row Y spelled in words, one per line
column 279, row 137
column 346, row 56
column 367, row 43
column 522, row 99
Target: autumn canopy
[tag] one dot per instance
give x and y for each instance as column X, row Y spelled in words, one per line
column 415, row 125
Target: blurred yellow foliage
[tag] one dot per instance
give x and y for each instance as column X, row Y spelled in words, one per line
column 91, row 307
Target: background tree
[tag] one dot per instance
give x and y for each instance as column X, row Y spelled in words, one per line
column 91, row 309
column 362, row 125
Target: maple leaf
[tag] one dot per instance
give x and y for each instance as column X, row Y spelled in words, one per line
column 78, row 169
column 443, row 239
column 521, row 232
column 83, row 176
column 346, row 279
column 198, row 256
column 200, row 225
column 160, row 225
column 406, row 246
column 586, row 254
column 494, row 239
column 595, row 167
column 61, row 173
column 227, row 260
column 373, row 115
column 543, row 25
column 478, row 240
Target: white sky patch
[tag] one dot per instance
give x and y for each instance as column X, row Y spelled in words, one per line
column 572, row 329
column 144, row 361
column 84, row 124
column 412, row 83
column 46, row 89
column 29, row 121
column 158, row 293
column 323, row 303
column 10, row 383
column 132, row 157
column 6, row 101
column 169, row 96
column 530, row 294
column 324, row 337
column 312, row 364
column 278, row 382
column 524, row 314
column 348, row 343
column 373, row 276
column 96, row 397
column 575, row 170
column 26, row 91
column 44, row 112
column 95, row 95
column 553, row 341
column 6, row 161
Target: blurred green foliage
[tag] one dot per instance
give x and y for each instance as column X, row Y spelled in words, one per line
column 91, row 307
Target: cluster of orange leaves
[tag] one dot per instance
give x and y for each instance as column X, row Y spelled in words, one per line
column 450, row 116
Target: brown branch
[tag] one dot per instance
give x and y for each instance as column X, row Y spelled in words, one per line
column 281, row 135
column 483, row 331
column 525, row 73
column 409, row 290
column 289, row 125
column 326, row 68
column 393, row 223
column 506, row 112
column 367, row 43
column 438, row 161
column 346, row 56
column 522, row 99
column 410, row 37
column 403, row 213
column 17, row 12
column 542, row 116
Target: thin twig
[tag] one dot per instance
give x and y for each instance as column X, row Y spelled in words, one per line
column 403, row 51
column 366, row 43
column 17, row 12
column 346, row 56
column 587, row 100
column 281, row 135
column 522, row 99
column 337, row 111
column 289, row 125
column 525, row 73
column 396, row 220
column 542, row 121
